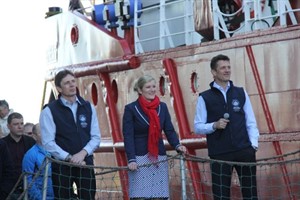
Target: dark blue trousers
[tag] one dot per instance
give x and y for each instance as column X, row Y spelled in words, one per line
column 221, row 174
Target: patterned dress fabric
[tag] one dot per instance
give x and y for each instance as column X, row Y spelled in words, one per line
column 149, row 181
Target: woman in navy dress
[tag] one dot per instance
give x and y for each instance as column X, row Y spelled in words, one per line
column 143, row 123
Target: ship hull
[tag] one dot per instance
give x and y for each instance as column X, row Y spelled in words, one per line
column 266, row 63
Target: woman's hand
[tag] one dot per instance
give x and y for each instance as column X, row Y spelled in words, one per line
column 182, row 149
column 132, row 166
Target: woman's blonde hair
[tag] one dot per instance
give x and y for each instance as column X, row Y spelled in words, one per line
column 139, row 84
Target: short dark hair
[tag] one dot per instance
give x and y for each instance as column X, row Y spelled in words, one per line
column 35, row 129
column 60, row 75
column 214, row 60
column 12, row 116
column 29, row 124
column 4, row 103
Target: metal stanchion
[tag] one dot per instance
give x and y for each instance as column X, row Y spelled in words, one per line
column 25, row 186
column 183, row 177
column 45, row 179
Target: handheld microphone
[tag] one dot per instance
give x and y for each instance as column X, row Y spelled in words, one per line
column 226, row 115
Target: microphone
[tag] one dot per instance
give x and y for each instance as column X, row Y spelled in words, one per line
column 226, row 115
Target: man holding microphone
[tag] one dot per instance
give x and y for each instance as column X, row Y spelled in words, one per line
column 225, row 115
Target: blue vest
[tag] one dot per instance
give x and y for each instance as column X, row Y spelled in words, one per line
column 72, row 136
column 234, row 137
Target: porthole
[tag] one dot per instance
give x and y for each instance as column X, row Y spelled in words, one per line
column 162, row 86
column 114, row 88
column 94, row 94
column 74, row 34
column 194, row 82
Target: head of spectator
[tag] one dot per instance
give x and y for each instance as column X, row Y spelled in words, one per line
column 4, row 112
column 15, row 123
column 4, row 109
column 28, row 129
column 36, row 133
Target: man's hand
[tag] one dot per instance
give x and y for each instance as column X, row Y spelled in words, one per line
column 221, row 123
column 79, row 157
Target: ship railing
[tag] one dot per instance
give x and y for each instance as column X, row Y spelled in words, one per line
column 257, row 16
column 167, row 24
column 270, row 183
column 163, row 25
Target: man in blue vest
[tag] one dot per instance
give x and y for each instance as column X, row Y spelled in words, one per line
column 225, row 115
column 70, row 132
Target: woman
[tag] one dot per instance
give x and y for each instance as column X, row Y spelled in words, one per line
column 143, row 122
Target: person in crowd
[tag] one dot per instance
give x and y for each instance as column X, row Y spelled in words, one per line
column 33, row 163
column 18, row 144
column 28, row 129
column 4, row 112
column 70, row 132
column 143, row 123
column 6, row 171
column 225, row 115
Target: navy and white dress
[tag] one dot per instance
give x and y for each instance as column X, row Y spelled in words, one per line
column 150, row 181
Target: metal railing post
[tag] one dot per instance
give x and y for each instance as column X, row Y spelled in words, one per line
column 45, row 179
column 183, row 177
column 281, row 12
column 216, row 19
column 25, row 186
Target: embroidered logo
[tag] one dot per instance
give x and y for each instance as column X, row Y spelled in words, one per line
column 236, row 105
column 82, row 119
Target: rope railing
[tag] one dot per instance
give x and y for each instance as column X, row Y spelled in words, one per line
column 270, row 184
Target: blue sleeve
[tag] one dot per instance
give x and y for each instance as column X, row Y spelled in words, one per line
column 29, row 165
column 128, row 134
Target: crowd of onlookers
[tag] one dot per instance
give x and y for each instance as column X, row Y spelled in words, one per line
column 20, row 151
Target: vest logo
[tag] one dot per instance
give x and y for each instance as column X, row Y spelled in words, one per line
column 236, row 105
column 82, row 119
